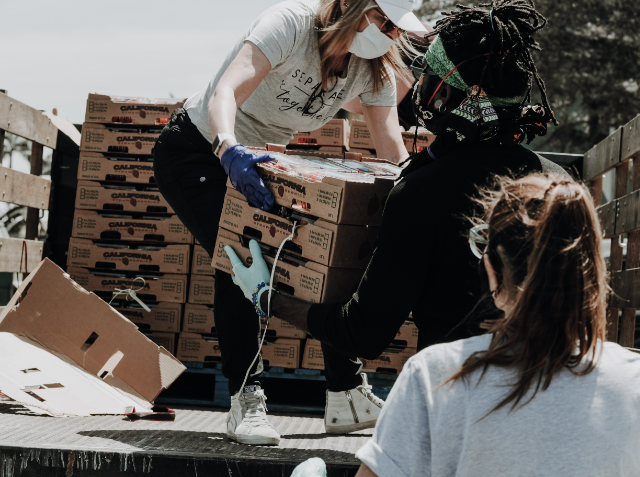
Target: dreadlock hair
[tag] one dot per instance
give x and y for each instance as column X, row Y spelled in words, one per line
column 504, row 29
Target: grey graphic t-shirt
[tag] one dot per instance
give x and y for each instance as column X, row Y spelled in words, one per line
column 286, row 34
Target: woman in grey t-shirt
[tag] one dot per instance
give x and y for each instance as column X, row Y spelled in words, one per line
column 295, row 67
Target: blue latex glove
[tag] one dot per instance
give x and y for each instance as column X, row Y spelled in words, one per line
column 248, row 279
column 239, row 164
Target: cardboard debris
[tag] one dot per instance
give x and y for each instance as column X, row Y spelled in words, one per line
column 95, row 196
column 95, row 166
column 202, row 289
column 156, row 287
column 124, row 110
column 101, row 138
column 346, row 246
column 83, row 331
column 139, row 257
column 311, row 282
column 91, row 224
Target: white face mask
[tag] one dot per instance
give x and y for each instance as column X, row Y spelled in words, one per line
column 371, row 43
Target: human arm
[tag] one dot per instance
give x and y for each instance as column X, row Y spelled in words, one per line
column 355, row 106
column 384, row 127
column 365, row 471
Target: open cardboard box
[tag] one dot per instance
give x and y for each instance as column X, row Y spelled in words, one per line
column 110, row 109
column 164, row 316
column 139, row 257
column 336, row 200
column 346, row 246
column 202, row 289
column 156, row 287
column 100, row 138
column 91, row 224
column 310, row 282
column 83, row 357
column 94, row 166
column 95, row 196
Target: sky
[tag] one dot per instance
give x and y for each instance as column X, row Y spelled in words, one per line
column 57, row 52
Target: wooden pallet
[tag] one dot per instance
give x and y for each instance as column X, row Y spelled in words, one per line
column 619, row 154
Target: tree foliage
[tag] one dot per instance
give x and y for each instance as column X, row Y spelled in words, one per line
column 590, row 62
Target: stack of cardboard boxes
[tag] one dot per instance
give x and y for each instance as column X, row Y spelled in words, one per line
column 333, row 137
column 125, row 235
column 361, row 141
column 337, row 205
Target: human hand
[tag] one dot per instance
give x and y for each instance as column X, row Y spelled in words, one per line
column 239, row 164
column 248, row 279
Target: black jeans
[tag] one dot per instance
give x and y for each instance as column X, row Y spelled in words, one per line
column 194, row 183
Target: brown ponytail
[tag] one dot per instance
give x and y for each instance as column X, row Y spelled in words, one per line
column 544, row 241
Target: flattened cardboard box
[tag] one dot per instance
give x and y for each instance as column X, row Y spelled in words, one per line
column 334, row 133
column 164, row 317
column 313, row 357
column 336, row 200
column 91, row 224
column 62, row 316
column 165, row 287
column 202, row 289
column 201, row 262
column 166, row 340
column 168, row 259
column 98, row 138
column 388, row 361
column 95, row 196
column 424, row 140
column 347, row 246
column 103, row 109
column 198, row 319
column 284, row 352
column 94, row 166
column 360, row 136
column 199, row 348
column 313, row 282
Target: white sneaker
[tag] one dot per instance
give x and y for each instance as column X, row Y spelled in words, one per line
column 247, row 420
column 352, row 410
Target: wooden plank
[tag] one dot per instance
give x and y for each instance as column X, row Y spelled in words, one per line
column 12, row 257
column 626, row 288
column 24, row 121
column 631, row 138
column 607, row 216
column 33, row 215
column 595, row 188
column 24, row 189
column 604, row 156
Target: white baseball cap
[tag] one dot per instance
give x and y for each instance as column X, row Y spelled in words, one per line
column 401, row 13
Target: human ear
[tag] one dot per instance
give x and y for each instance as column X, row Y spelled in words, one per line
column 491, row 273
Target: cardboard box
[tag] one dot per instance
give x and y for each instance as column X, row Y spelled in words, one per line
column 283, row 352
column 112, row 109
column 313, row 357
column 407, row 335
column 202, row 289
column 95, row 166
column 201, row 264
column 145, row 258
column 96, row 196
column 308, row 281
column 334, row 133
column 388, row 362
column 364, row 152
column 198, row 319
column 107, row 225
column 333, row 150
column 199, row 348
column 63, row 317
column 165, row 317
column 100, row 138
column 166, row 340
column 336, row 200
column 424, row 139
column 347, row 246
column 156, row 287
column 360, row 136
column 283, row 329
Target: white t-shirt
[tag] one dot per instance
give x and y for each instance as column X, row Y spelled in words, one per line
column 581, row 426
column 286, row 34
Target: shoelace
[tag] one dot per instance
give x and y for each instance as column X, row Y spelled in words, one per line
column 366, row 390
column 256, row 407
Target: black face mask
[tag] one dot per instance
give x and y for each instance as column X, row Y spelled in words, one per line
column 435, row 122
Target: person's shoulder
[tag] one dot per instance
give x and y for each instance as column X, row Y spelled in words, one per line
column 301, row 12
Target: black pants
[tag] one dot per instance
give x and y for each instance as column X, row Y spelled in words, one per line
column 194, row 183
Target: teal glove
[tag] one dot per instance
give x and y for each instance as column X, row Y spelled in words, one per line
column 248, row 279
column 314, row 467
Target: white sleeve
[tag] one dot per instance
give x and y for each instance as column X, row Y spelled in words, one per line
column 401, row 442
column 385, row 96
column 276, row 34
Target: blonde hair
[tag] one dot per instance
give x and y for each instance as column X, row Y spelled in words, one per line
column 336, row 33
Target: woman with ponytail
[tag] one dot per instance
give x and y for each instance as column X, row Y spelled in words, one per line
column 542, row 393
